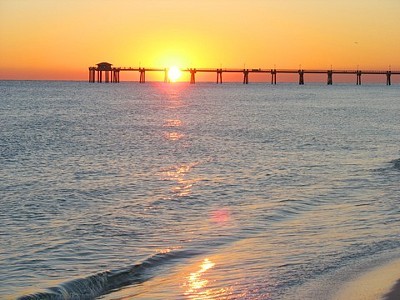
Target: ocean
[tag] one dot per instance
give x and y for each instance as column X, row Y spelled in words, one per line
column 205, row 191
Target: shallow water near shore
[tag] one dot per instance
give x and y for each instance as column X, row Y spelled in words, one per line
column 205, row 191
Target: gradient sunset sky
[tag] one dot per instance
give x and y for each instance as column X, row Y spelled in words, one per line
column 60, row 39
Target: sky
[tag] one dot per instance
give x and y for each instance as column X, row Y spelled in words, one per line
column 49, row 39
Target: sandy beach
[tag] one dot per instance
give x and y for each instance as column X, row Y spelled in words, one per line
column 394, row 292
column 380, row 283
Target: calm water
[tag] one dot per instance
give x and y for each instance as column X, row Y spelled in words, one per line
column 172, row 191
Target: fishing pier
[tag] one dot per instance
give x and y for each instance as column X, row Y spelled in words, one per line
column 105, row 72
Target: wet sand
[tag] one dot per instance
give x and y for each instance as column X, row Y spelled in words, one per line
column 380, row 283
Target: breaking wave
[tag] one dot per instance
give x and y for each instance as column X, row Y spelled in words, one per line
column 396, row 163
column 105, row 282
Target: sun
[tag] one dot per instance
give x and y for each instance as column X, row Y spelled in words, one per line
column 174, row 73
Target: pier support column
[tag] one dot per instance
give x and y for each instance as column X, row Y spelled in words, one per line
column 114, row 76
column 165, row 75
column 301, row 77
column 142, row 78
column 245, row 76
column 388, row 80
column 219, row 76
column 192, row 76
column 359, row 77
column 106, row 76
column 99, row 76
column 273, row 76
column 330, row 77
column 92, row 74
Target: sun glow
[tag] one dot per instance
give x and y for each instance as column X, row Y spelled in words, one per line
column 174, row 74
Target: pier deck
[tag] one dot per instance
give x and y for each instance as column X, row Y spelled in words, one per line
column 112, row 74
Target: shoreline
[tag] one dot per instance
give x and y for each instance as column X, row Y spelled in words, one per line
column 382, row 282
column 374, row 278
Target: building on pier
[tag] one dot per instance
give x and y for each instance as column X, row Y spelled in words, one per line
column 105, row 73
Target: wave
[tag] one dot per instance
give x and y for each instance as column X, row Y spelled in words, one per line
column 105, row 282
column 389, row 165
column 396, row 163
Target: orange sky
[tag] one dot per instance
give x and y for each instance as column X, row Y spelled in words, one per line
column 49, row 39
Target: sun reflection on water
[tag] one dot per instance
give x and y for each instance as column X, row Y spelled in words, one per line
column 178, row 174
column 172, row 123
column 197, row 284
column 173, row 135
column 195, row 279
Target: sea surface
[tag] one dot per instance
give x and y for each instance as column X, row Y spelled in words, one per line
column 205, row 191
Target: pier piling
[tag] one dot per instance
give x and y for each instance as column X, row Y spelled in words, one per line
column 359, row 77
column 301, row 77
column 330, row 77
column 165, row 75
column 245, row 76
column 273, row 76
column 192, row 76
column 142, row 77
column 388, row 80
column 219, row 76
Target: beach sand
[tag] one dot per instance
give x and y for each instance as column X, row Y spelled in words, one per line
column 375, row 278
column 394, row 294
column 380, row 283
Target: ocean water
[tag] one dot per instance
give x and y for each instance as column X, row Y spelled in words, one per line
column 178, row 191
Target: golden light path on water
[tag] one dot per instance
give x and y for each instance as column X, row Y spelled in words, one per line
column 172, row 126
column 196, row 282
column 202, row 277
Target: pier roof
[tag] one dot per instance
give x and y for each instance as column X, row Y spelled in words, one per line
column 104, row 66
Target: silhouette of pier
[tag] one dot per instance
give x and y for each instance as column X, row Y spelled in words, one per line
column 105, row 72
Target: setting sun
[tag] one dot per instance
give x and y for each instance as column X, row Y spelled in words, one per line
column 174, row 73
